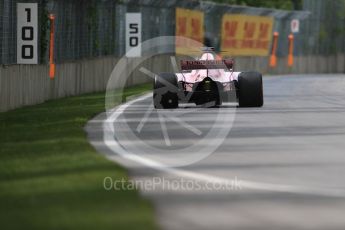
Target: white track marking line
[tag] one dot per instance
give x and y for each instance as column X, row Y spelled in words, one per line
column 111, row 143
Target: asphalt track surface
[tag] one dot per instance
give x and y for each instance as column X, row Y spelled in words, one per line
column 286, row 160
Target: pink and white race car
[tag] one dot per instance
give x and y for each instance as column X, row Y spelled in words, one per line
column 208, row 81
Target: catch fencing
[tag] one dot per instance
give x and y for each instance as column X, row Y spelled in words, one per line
column 93, row 28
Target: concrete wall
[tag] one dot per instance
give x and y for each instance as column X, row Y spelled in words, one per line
column 302, row 65
column 22, row 85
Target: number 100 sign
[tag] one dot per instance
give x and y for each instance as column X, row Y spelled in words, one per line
column 27, row 33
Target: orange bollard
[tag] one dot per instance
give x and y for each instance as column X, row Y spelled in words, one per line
column 51, row 48
column 290, row 56
column 273, row 59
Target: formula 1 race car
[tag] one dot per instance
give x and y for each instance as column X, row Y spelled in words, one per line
column 208, row 82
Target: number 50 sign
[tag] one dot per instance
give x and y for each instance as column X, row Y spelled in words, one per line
column 133, row 34
column 27, row 33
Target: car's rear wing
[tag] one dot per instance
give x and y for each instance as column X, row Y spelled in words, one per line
column 207, row 64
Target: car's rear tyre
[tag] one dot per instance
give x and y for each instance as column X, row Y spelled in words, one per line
column 250, row 89
column 165, row 91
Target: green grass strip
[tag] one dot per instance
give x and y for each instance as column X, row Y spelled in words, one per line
column 52, row 178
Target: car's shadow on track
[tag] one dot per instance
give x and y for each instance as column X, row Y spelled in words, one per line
column 223, row 106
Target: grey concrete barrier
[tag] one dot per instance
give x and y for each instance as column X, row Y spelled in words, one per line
column 22, row 85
